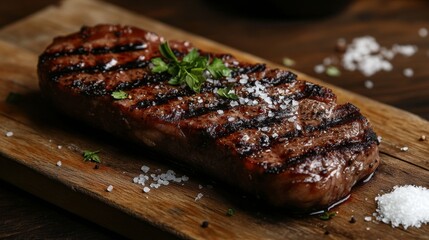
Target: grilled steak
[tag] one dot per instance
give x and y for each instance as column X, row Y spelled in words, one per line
column 284, row 140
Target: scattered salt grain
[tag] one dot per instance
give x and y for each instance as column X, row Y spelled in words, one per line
column 369, row 84
column 368, row 228
column 145, row 168
column 406, row 205
column 379, row 139
column 230, row 119
column 423, row 32
column 59, row 147
column 157, row 179
column 199, row 196
column 220, row 112
column 368, row 218
column 319, row 68
column 200, row 186
column 109, row 188
column 422, row 138
column 406, row 50
column 59, row 163
column 403, row 149
column 408, row 72
column 110, row 64
column 9, row 134
column 146, row 189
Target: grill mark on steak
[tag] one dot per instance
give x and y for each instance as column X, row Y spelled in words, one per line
column 99, row 68
column 286, row 131
column 130, row 47
column 368, row 139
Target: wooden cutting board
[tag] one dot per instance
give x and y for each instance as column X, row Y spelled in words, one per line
column 42, row 137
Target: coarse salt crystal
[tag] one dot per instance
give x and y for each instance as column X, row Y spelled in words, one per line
column 9, row 134
column 185, row 178
column 200, row 186
column 233, row 103
column 369, row 84
column 145, row 168
column 408, row 72
column 243, row 81
column 379, row 139
column 423, row 32
column 146, row 189
column 230, row 119
column 110, row 64
column 368, row 218
column 59, row 146
column 59, row 163
column 220, row 112
column 245, row 138
column 319, row 68
column 406, row 50
column 109, row 188
column 199, row 196
column 406, row 205
column 403, row 149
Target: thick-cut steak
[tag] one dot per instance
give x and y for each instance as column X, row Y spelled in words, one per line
column 284, row 140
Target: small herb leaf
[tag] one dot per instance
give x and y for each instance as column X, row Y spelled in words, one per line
column 119, row 95
column 166, row 51
column 327, row 215
column 191, row 56
column 230, row 212
column 91, row 156
column 333, row 71
column 159, row 65
column 218, row 69
column 227, row 92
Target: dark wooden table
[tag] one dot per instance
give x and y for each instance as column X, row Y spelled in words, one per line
column 307, row 40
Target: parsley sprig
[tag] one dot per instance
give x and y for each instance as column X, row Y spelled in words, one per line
column 190, row 70
column 91, row 156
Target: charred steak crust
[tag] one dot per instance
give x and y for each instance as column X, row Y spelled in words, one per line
column 285, row 140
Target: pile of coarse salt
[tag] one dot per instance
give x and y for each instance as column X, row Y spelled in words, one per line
column 158, row 179
column 366, row 55
column 406, row 205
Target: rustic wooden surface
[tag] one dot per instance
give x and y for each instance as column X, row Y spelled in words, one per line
column 41, row 133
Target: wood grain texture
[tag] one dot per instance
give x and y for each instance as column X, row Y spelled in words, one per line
column 78, row 187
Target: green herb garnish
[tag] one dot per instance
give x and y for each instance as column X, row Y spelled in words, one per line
column 333, row 71
column 327, row 215
column 119, row 95
column 227, row 92
column 288, row 62
column 189, row 71
column 91, row 156
column 230, row 212
column 13, row 98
